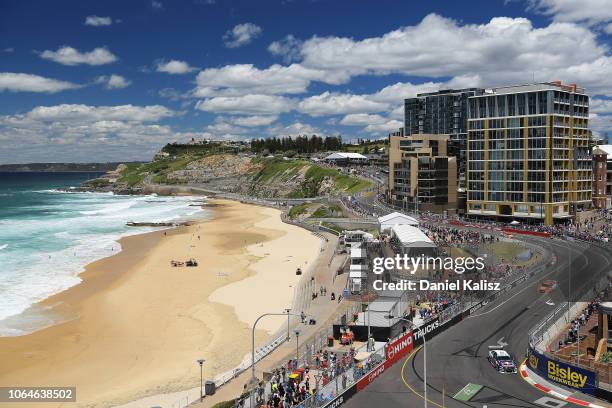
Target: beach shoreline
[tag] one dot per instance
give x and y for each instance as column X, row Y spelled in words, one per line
column 134, row 326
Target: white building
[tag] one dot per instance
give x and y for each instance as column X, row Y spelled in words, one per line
column 386, row 222
column 343, row 158
column 412, row 241
column 350, row 237
column 358, row 269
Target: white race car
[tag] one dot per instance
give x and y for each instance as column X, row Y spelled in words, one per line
column 502, row 361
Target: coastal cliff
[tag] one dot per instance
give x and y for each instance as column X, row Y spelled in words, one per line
column 263, row 177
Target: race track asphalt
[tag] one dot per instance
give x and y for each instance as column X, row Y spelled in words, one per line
column 457, row 356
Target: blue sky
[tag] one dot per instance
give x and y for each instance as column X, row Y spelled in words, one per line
column 115, row 80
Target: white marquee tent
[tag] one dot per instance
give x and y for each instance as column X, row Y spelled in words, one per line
column 386, row 222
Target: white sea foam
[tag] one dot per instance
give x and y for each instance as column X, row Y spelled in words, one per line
column 44, row 255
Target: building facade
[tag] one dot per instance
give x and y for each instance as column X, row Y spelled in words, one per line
column 602, row 176
column 423, row 167
column 528, row 152
column 442, row 112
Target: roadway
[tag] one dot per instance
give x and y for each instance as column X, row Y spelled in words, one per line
column 457, row 356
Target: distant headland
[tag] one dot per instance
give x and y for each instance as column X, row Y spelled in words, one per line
column 59, row 167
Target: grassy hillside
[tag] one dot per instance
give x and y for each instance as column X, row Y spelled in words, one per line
column 272, row 176
column 136, row 173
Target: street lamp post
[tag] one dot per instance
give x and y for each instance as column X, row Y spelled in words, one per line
column 253, row 377
column 369, row 333
column 297, row 347
column 424, row 359
column 201, row 363
column 425, row 367
column 287, row 311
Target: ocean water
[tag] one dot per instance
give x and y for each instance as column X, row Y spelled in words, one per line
column 47, row 236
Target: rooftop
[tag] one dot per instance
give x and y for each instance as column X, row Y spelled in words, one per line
column 409, row 236
column 450, row 92
column 358, row 252
column 540, row 86
column 399, row 216
column 346, row 155
column 605, row 149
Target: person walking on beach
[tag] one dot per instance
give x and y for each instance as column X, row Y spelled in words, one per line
column 303, row 316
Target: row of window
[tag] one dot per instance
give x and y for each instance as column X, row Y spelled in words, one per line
column 514, row 197
column 509, row 134
column 528, row 103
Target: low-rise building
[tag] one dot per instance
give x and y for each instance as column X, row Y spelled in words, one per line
column 386, row 222
column 423, row 172
column 411, row 241
column 359, row 266
column 602, row 176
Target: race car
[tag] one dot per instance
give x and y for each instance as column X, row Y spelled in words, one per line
column 502, row 362
column 547, row 286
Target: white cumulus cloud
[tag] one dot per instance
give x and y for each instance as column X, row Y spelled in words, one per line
column 381, row 128
column 502, row 51
column 174, row 67
column 78, row 113
column 294, row 129
column 241, row 34
column 19, row 82
column 244, row 79
column 591, row 12
column 247, row 104
column 362, row 119
column 71, row 56
column 601, row 106
column 288, row 48
column 73, row 132
column 329, row 103
column 254, row 121
column 97, row 21
column 113, row 81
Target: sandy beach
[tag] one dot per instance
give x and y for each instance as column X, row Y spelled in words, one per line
column 135, row 326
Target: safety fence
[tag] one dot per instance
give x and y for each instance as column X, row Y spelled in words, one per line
column 345, row 380
column 305, row 357
column 541, row 336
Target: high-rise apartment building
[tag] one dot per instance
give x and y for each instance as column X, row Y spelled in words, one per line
column 528, row 152
column 442, row 112
column 423, row 169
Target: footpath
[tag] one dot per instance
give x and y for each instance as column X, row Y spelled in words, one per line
column 322, row 309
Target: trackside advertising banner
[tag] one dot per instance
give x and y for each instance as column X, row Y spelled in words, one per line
column 342, row 398
column 399, row 347
column 396, row 350
column 372, row 375
column 562, row 373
